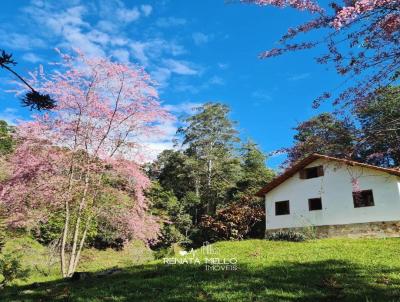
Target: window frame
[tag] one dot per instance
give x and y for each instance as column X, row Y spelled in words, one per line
column 310, row 200
column 281, row 202
column 305, row 173
column 356, row 203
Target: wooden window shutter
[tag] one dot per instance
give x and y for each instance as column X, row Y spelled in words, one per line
column 320, row 171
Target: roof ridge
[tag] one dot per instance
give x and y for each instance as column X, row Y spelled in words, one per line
column 311, row 158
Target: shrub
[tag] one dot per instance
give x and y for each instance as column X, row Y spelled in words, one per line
column 11, row 269
column 177, row 223
column 105, row 236
column 310, row 232
column 286, row 236
column 169, row 235
column 101, row 233
column 233, row 222
column 164, row 252
column 50, row 230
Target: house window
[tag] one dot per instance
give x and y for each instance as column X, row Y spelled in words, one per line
column 314, row 204
column 282, row 207
column 312, row 172
column 363, row 199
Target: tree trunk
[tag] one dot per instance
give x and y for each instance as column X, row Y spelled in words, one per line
column 81, row 244
column 197, row 186
column 64, row 239
column 67, row 212
column 210, row 202
column 66, row 221
column 77, row 225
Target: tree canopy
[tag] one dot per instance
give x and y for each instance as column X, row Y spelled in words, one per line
column 362, row 39
column 213, row 171
column 379, row 118
column 83, row 160
column 324, row 134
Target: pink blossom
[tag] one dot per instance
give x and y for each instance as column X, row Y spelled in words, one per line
column 361, row 37
column 103, row 110
column 299, row 4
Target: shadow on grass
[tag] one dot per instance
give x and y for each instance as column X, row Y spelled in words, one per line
column 314, row 281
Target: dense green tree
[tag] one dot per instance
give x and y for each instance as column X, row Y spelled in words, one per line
column 6, row 139
column 173, row 170
column 255, row 173
column 209, row 138
column 210, row 173
column 175, row 219
column 324, row 134
column 379, row 118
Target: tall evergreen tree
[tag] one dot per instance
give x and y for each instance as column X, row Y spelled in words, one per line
column 209, row 138
column 255, row 174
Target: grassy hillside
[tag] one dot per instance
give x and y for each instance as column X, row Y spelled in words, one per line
column 44, row 265
column 321, row 270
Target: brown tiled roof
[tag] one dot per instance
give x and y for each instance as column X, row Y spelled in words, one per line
column 308, row 160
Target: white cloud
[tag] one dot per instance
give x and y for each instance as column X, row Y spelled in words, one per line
column 146, row 9
column 223, row 66
column 138, row 49
column 128, row 15
column 69, row 27
column 101, row 29
column 161, row 76
column 185, row 107
column 20, row 41
column 180, row 67
column 216, row 80
column 184, row 86
column 70, row 18
column 261, row 95
column 170, row 21
column 154, row 50
column 300, row 76
column 174, row 48
column 107, row 26
column 121, row 55
column 31, row 57
column 98, row 37
column 75, row 38
column 10, row 115
column 118, row 41
column 200, row 38
column 157, row 144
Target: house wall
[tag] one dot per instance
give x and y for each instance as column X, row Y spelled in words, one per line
column 335, row 188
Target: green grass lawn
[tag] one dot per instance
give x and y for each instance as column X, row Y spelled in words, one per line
column 319, row 270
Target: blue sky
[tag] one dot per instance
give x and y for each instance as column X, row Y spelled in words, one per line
column 197, row 50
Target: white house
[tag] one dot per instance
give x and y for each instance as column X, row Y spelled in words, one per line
column 338, row 197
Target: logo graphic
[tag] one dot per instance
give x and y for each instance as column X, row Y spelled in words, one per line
column 207, row 255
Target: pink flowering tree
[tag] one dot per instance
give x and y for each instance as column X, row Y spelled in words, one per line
column 67, row 158
column 362, row 39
